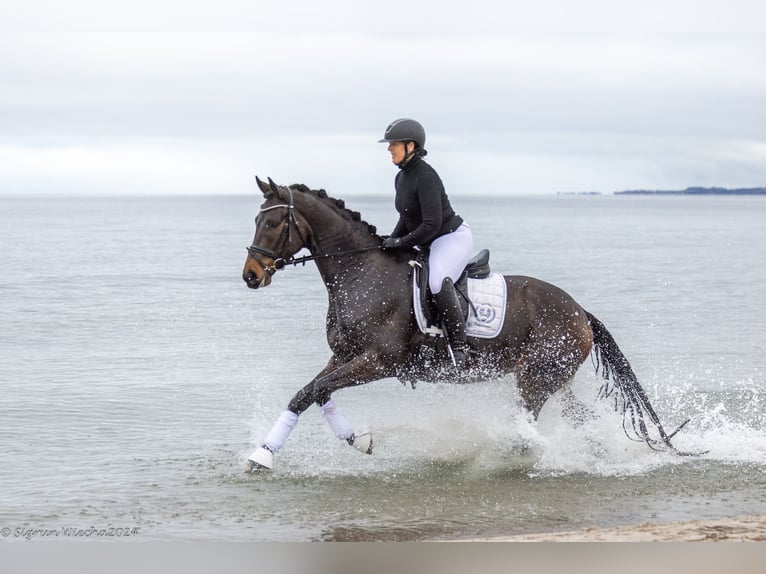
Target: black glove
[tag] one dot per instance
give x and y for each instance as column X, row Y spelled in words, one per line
column 392, row 243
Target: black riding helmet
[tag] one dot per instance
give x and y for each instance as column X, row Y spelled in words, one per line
column 406, row 130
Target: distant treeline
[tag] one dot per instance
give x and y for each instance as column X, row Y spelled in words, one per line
column 698, row 191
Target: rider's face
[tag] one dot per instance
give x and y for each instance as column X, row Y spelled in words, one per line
column 398, row 151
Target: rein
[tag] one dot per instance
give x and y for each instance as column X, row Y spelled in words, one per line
column 297, row 261
column 279, row 261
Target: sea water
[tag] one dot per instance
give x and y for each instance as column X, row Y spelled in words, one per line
column 138, row 372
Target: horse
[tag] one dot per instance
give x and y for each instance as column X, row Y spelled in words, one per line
column 373, row 333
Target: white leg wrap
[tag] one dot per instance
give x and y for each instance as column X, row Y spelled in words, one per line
column 280, row 431
column 338, row 423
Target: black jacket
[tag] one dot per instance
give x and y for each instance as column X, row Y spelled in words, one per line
column 424, row 209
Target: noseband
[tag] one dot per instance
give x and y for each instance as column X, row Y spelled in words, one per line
column 279, row 261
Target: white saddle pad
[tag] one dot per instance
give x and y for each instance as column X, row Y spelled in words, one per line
column 485, row 316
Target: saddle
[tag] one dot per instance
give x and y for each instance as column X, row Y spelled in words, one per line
column 476, row 268
column 482, row 295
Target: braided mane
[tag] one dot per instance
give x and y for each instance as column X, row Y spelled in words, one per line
column 338, row 204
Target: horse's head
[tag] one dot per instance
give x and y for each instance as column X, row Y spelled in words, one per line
column 280, row 232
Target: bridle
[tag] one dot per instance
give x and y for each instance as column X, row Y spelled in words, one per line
column 279, row 261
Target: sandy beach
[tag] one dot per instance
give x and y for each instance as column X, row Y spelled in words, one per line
column 741, row 529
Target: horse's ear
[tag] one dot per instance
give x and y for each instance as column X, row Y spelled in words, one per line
column 274, row 189
column 264, row 187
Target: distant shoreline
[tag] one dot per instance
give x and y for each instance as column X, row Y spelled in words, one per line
column 698, row 191
column 687, row 191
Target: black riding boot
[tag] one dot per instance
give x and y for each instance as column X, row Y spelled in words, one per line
column 453, row 321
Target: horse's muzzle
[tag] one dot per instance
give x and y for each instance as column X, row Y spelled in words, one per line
column 252, row 281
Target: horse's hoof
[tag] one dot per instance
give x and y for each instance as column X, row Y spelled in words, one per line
column 362, row 442
column 261, row 459
column 253, row 467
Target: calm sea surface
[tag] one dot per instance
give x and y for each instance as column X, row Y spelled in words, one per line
column 138, row 372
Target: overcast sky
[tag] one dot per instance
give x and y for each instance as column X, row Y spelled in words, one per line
column 516, row 97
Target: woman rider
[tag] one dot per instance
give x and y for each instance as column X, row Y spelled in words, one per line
column 426, row 219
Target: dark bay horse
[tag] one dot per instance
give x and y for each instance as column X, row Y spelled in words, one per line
column 373, row 334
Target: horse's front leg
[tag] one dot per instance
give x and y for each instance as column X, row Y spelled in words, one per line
column 361, row 369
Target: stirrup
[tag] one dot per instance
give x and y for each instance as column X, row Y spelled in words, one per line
column 459, row 359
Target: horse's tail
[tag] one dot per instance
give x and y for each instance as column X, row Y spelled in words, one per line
column 635, row 405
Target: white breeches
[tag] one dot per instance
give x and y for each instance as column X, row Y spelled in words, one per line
column 449, row 255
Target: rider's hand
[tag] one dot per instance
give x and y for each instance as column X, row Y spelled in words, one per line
column 392, row 243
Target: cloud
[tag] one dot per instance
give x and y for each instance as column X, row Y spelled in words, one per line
column 418, row 19
column 552, row 95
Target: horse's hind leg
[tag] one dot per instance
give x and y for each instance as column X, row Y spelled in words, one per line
column 537, row 382
column 574, row 409
column 550, row 358
column 541, row 373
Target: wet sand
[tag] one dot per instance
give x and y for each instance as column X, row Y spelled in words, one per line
column 741, row 529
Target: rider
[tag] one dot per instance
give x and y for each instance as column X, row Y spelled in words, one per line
column 426, row 219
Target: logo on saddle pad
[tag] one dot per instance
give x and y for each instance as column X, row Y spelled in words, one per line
column 486, row 312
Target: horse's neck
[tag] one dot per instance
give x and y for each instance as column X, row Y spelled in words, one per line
column 360, row 267
column 334, row 234
column 338, row 239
